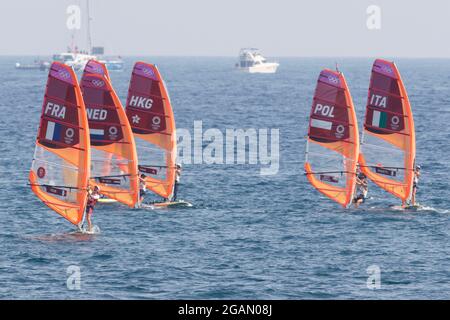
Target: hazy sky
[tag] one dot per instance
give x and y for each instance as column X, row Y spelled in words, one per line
column 409, row 28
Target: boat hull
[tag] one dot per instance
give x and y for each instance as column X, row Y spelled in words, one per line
column 264, row 68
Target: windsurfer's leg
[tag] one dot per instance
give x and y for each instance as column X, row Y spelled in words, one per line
column 89, row 218
column 359, row 200
column 175, row 190
column 81, row 224
column 141, row 195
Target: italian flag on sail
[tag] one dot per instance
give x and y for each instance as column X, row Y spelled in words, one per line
column 379, row 119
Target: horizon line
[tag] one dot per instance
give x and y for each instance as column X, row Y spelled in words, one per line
column 235, row 56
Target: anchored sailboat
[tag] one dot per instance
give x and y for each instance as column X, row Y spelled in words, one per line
column 333, row 141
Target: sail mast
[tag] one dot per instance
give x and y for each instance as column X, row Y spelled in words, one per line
column 89, row 36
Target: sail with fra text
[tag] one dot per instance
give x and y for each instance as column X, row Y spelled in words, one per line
column 388, row 146
column 333, row 140
column 60, row 170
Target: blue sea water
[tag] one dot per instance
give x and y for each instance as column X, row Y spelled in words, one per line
column 248, row 236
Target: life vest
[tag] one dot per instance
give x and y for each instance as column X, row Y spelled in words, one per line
column 92, row 199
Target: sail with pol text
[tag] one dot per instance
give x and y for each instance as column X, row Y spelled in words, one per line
column 59, row 173
column 388, row 145
column 113, row 151
column 151, row 117
column 333, row 140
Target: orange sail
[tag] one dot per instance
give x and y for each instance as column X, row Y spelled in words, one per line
column 151, row 117
column 96, row 67
column 333, row 140
column 113, row 151
column 388, row 145
column 60, row 171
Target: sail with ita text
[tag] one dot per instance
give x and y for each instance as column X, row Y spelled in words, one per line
column 388, row 146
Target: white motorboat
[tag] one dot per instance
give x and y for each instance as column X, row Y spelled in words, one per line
column 252, row 61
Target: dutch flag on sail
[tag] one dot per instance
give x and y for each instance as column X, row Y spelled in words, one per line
column 53, row 132
column 97, row 134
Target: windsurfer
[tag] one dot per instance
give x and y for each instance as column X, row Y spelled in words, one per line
column 362, row 188
column 415, row 186
column 93, row 196
column 177, row 181
column 142, row 187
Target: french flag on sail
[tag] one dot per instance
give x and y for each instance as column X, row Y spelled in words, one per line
column 97, row 134
column 53, row 132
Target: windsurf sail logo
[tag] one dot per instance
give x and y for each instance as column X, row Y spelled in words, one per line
column 113, row 131
column 156, row 123
column 333, row 79
column 386, row 69
column 64, row 74
column 141, row 102
column 395, row 122
column 98, row 83
column 41, row 172
column 68, row 138
column 340, row 130
column 148, row 72
column 97, row 69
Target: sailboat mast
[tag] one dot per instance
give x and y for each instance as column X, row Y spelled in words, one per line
column 89, row 37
